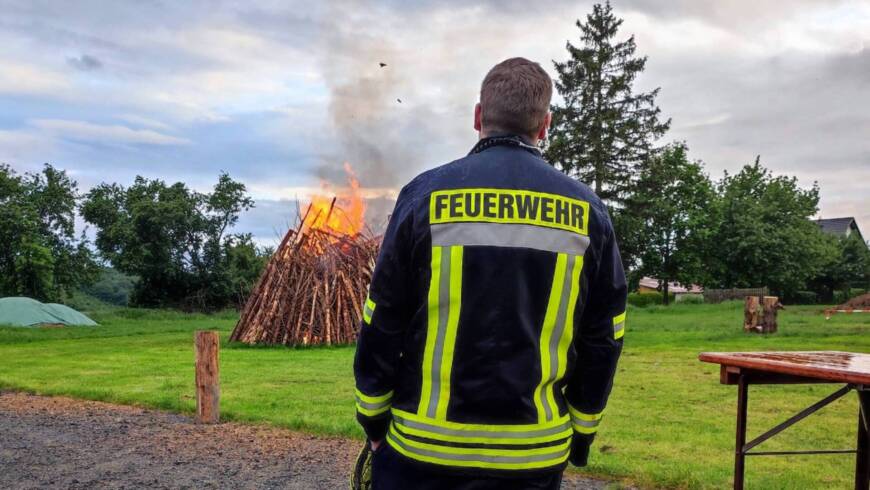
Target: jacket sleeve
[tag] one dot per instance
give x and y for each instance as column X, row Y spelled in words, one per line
column 385, row 315
column 598, row 344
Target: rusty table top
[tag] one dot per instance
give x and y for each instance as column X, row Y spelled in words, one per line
column 832, row 366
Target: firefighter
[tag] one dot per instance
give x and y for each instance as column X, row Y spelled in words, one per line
column 496, row 311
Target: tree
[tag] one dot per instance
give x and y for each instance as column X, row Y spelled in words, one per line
column 174, row 240
column 670, row 210
column 111, row 286
column 848, row 266
column 854, row 263
column 765, row 236
column 245, row 261
column 41, row 256
column 603, row 130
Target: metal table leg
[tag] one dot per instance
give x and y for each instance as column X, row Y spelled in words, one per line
column 739, row 454
column 862, row 459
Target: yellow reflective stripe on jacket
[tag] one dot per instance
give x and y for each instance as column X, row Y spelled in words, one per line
column 512, row 206
column 445, row 297
column 568, row 335
column 508, row 459
column 368, row 310
column 373, row 405
column 455, row 298
column 431, row 329
column 502, row 434
column 585, row 423
column 557, row 332
column 545, row 410
column 619, row 326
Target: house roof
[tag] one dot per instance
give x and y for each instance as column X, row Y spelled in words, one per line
column 673, row 287
column 839, row 226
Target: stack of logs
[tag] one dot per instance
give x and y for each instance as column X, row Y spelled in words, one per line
column 759, row 314
column 312, row 290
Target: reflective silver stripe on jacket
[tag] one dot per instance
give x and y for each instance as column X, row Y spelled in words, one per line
column 509, row 235
column 527, row 434
column 556, row 453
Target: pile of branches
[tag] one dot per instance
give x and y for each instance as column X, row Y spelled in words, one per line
column 312, row 290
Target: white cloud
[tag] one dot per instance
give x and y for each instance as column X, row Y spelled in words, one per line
column 18, row 145
column 27, row 79
column 81, row 130
column 140, row 120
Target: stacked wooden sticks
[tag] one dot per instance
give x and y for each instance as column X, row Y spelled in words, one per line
column 312, row 290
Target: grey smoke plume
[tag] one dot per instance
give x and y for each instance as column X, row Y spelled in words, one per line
column 365, row 119
column 365, row 114
column 384, row 119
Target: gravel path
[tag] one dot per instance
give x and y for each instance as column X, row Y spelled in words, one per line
column 53, row 442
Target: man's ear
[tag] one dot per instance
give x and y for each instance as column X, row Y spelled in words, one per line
column 542, row 133
column 477, row 115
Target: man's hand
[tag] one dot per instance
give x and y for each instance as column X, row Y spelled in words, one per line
column 361, row 477
column 376, row 445
column 580, row 455
column 580, row 449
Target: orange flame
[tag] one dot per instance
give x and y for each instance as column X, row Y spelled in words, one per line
column 346, row 216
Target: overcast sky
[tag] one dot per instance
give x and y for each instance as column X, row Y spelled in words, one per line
column 281, row 94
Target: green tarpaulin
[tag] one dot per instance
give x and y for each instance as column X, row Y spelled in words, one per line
column 27, row 312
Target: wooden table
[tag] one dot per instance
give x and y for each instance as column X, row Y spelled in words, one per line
column 852, row 370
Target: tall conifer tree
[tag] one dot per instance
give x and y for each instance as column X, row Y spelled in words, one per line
column 603, row 130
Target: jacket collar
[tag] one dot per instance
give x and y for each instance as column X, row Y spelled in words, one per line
column 504, row 140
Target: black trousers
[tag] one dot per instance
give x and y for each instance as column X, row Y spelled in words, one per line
column 392, row 471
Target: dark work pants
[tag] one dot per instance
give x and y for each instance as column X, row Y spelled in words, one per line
column 392, row 471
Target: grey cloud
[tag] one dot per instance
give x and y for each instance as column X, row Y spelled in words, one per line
column 799, row 113
column 85, row 63
column 733, row 14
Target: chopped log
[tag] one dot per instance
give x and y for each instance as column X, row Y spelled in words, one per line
column 770, row 307
column 208, row 391
column 751, row 314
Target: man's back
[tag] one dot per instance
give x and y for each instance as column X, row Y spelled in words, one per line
column 478, row 296
column 493, row 323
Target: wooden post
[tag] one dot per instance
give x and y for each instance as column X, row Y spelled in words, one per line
column 208, row 393
column 770, row 307
column 750, row 314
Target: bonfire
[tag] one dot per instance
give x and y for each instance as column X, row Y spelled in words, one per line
column 313, row 288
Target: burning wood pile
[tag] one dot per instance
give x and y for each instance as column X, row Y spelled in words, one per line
column 313, row 288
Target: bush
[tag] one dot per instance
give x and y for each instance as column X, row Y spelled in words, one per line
column 642, row 300
column 86, row 303
column 691, row 299
column 841, row 297
column 112, row 287
column 802, row 298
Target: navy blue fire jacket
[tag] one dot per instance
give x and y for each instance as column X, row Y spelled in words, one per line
column 495, row 316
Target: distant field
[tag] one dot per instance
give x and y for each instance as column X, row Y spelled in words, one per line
column 669, row 423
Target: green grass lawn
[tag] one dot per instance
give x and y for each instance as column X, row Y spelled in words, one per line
column 669, row 422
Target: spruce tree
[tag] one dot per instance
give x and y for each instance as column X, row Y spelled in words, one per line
column 603, row 130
